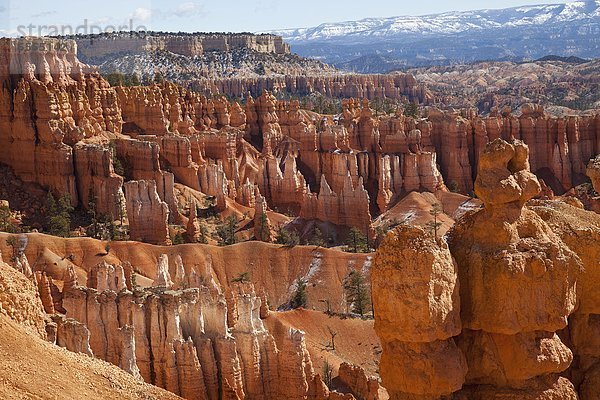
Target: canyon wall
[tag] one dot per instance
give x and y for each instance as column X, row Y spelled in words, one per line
column 396, row 86
column 49, row 102
column 560, row 147
column 94, row 48
column 196, row 342
column 65, row 129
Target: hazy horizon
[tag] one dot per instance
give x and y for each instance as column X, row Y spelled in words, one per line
column 38, row 16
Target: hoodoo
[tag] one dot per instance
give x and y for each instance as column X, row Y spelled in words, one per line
column 211, row 216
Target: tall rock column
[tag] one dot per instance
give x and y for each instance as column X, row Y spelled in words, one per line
column 262, row 225
column 96, row 176
column 417, row 312
column 148, row 215
column 593, row 172
column 517, row 285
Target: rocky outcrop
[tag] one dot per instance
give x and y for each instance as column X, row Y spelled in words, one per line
column 262, row 225
column 19, row 300
column 94, row 48
column 344, row 169
column 72, row 335
column 141, row 162
column 417, row 314
column 560, row 147
column 193, row 231
column 523, row 280
column 96, row 177
column 392, row 86
column 580, row 230
column 354, row 377
column 349, row 208
column 50, row 102
column 148, row 215
column 528, row 275
column 180, row 340
column 106, row 276
column 44, row 284
column 163, row 277
column 593, row 172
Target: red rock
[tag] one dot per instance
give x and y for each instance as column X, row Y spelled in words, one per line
column 354, row 377
column 593, row 172
column 95, row 175
column 148, row 216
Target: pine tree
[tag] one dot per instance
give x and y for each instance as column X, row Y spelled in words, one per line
column 328, row 374
column 356, row 242
column 5, row 219
column 264, row 231
column 300, row 298
column 357, row 294
column 158, row 78
column 58, row 217
column 243, row 277
column 93, row 230
column 411, row 110
column 435, row 211
column 203, row 233
column 226, row 231
column 135, row 80
column 317, row 238
column 287, row 238
column 117, row 165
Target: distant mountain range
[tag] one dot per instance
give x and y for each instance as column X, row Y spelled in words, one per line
column 515, row 34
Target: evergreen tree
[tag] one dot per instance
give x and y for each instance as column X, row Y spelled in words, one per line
column 435, row 211
column 328, row 374
column 117, row 165
column 243, row 277
column 177, row 239
column 58, row 217
column 356, row 242
column 226, row 231
column 357, row 294
column 203, row 233
column 287, row 238
column 158, row 78
column 115, row 79
column 5, row 219
column 135, row 80
column 411, row 110
column 264, row 232
column 317, row 238
column 300, row 298
column 93, row 230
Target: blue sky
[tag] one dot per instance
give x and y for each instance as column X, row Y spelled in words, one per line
column 215, row 15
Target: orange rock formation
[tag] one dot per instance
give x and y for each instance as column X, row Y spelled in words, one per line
column 527, row 295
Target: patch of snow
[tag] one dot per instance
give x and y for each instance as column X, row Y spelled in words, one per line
column 367, row 265
column 445, row 23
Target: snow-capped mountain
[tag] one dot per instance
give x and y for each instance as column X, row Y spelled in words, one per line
column 519, row 32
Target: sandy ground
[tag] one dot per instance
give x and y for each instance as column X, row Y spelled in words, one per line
column 355, row 342
column 415, row 209
column 31, row 368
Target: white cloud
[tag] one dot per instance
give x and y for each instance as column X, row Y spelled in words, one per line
column 141, row 14
column 43, row 14
column 183, row 10
column 188, row 9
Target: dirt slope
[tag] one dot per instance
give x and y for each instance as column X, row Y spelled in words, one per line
column 31, row 368
column 270, row 266
column 355, row 342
